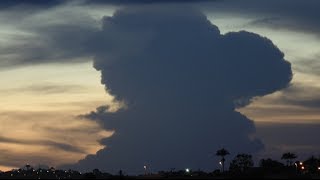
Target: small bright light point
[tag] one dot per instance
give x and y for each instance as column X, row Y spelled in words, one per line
column 318, row 168
column 301, row 163
column 187, row 170
column 302, row 167
column 220, row 163
column 145, row 167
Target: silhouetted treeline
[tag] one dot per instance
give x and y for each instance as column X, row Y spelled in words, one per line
column 241, row 166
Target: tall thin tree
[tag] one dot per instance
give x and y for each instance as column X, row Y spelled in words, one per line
column 288, row 156
column 222, row 152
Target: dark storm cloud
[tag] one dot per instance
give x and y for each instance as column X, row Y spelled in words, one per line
column 180, row 78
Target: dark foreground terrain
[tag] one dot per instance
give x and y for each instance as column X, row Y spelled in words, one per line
column 270, row 173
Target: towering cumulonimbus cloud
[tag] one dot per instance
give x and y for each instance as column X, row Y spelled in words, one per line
column 182, row 81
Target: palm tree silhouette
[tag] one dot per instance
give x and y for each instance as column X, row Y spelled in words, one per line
column 28, row 167
column 288, row 156
column 222, row 152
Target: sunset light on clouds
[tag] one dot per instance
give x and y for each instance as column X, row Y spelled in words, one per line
column 77, row 76
column 39, row 116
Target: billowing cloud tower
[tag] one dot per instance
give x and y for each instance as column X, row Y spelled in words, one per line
column 182, row 81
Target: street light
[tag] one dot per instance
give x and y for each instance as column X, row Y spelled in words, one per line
column 145, row 169
column 187, row 170
column 220, row 163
